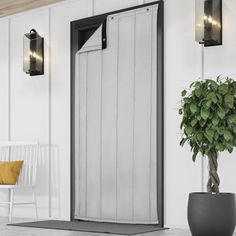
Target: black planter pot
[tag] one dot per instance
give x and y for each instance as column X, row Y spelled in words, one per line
column 211, row 214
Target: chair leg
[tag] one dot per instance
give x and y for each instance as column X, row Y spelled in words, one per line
column 11, row 205
column 35, row 204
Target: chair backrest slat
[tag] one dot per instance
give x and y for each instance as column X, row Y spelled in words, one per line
column 28, row 152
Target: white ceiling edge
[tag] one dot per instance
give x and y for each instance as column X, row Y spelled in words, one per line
column 45, row 7
column 21, row 8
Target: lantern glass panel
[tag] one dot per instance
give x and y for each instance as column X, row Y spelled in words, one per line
column 33, row 54
column 199, row 6
column 209, row 22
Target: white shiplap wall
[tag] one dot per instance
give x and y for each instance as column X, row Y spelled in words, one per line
column 182, row 65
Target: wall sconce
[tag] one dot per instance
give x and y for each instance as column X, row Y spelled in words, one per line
column 33, row 53
column 209, row 22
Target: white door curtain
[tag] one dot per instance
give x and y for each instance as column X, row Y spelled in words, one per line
column 115, row 154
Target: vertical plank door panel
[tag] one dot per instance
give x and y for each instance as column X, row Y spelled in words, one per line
column 109, row 116
column 142, row 140
column 125, row 117
column 81, row 159
column 153, row 127
column 93, row 133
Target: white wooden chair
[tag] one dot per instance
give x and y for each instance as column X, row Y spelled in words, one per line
column 28, row 152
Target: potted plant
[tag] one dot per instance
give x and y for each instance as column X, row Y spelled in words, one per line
column 208, row 111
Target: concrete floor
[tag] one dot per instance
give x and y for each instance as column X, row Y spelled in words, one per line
column 20, row 231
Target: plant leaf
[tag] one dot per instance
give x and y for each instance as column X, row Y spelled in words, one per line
column 208, row 103
column 231, row 119
column 223, row 89
column 202, row 122
column 193, row 108
column 229, row 147
column 182, row 142
column 227, row 135
column 215, row 121
column 213, row 83
column 210, row 133
column 199, row 136
column 219, row 98
column 221, row 113
column 198, row 92
column 229, row 100
column 209, row 138
column 234, row 119
column 205, row 113
column 216, row 136
column 219, row 147
column 197, row 85
column 221, row 130
column 183, row 93
column 198, row 117
column 188, row 130
column 194, row 122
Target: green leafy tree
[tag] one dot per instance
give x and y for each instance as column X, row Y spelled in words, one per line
column 208, row 111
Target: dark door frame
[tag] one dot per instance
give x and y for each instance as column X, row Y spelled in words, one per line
column 78, row 37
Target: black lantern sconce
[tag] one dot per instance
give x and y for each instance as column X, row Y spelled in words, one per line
column 33, row 53
column 209, row 22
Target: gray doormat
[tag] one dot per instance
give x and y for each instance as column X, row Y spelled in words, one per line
column 95, row 227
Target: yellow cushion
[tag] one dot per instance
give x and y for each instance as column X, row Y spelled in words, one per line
column 10, row 171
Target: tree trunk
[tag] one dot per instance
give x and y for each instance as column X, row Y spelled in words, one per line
column 214, row 180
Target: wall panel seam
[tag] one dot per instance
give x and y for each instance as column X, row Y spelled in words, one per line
column 117, row 106
column 141, row 2
column 101, row 133
column 90, row 7
column 86, row 139
column 9, row 79
column 50, row 112
column 134, row 98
